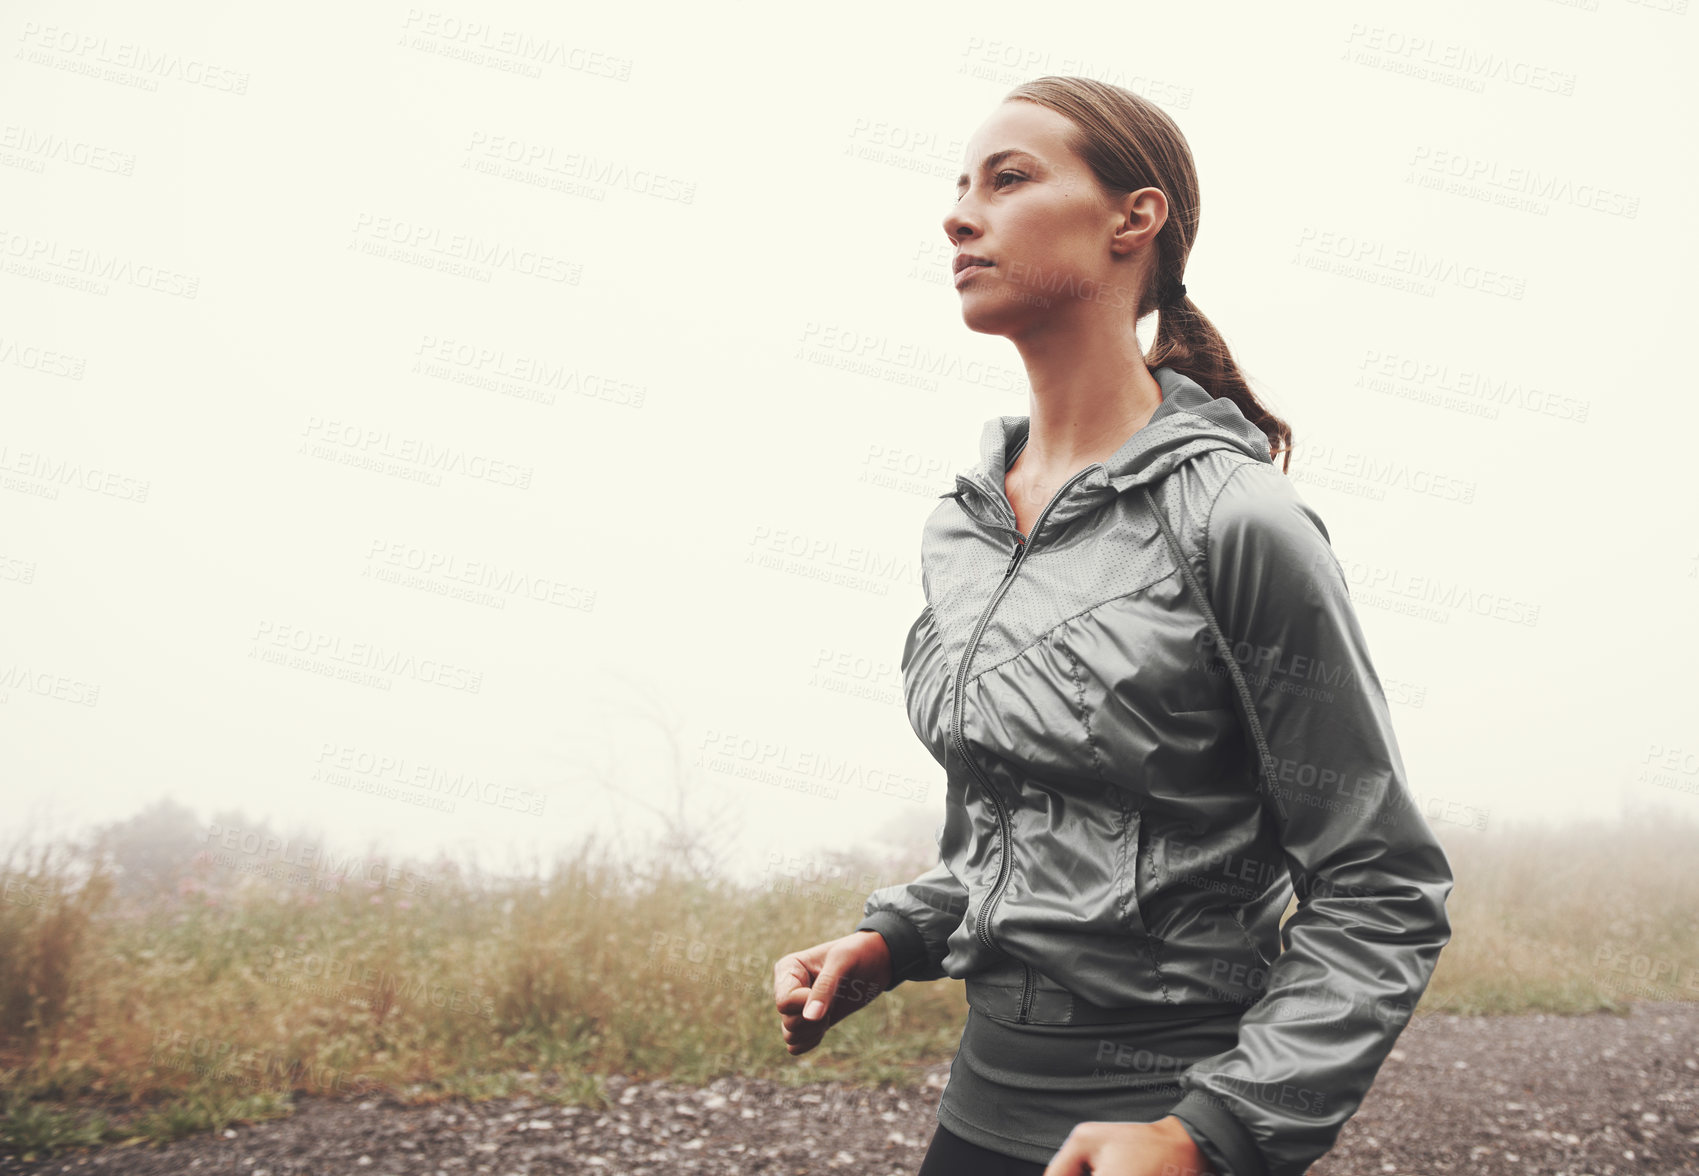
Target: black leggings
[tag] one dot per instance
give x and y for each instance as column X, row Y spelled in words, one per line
column 951, row 1155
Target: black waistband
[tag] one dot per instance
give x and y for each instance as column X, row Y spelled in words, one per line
column 1100, row 1057
column 1000, row 991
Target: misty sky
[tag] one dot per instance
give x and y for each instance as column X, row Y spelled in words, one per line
column 460, row 433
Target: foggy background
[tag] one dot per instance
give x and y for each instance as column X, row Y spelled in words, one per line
column 488, row 426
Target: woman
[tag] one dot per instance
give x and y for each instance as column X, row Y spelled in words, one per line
column 1140, row 669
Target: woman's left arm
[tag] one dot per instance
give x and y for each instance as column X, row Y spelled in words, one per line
column 1371, row 878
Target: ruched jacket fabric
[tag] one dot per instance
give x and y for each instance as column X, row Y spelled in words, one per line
column 1111, row 846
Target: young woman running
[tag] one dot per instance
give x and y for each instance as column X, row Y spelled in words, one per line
column 1139, row 666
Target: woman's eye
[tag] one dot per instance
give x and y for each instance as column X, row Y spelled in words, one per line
column 996, row 182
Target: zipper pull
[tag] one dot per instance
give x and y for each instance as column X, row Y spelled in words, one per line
column 1020, row 545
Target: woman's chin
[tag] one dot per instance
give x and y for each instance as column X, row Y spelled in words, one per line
column 985, row 316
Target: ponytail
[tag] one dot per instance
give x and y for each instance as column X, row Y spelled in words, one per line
column 1189, row 343
column 1130, row 143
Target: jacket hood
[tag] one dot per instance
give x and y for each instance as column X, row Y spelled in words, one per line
column 1188, row 422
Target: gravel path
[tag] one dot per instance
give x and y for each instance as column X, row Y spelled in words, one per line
column 1593, row 1095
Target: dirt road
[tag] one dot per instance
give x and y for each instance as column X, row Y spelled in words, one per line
column 1593, row 1095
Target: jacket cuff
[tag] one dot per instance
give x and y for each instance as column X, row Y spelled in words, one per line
column 908, row 949
column 1221, row 1136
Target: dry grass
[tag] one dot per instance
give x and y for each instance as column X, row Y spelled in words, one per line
column 1572, row 918
column 214, row 999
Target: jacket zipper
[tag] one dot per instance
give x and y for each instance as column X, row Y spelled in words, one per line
column 1003, row 826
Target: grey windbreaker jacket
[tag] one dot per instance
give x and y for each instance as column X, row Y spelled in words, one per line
column 1147, row 755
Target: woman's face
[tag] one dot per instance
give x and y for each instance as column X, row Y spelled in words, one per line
column 1030, row 206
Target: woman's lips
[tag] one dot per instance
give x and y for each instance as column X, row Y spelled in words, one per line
column 962, row 274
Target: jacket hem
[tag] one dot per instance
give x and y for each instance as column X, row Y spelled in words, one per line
column 908, row 948
column 1002, row 1144
column 1220, row 1135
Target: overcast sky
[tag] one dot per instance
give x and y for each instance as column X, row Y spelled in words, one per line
column 459, row 426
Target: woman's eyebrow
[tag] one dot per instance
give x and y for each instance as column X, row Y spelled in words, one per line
column 993, row 160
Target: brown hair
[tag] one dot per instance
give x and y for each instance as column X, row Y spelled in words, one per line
column 1130, row 143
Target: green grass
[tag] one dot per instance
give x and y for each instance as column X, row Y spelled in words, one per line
column 33, row 1129
column 148, row 1015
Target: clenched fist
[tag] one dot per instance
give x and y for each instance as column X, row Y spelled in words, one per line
column 816, row 988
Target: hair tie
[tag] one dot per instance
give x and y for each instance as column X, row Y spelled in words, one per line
column 1175, row 292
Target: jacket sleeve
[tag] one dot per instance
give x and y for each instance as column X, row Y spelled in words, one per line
column 1370, row 877
column 917, row 918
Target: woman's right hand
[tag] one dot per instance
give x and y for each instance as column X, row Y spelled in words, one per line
column 821, row 985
